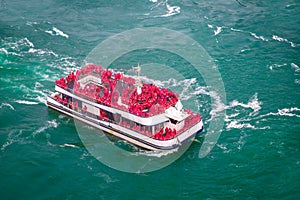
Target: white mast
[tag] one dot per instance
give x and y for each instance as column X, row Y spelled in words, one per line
column 138, row 82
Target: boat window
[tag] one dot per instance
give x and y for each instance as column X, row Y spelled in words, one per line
column 157, row 127
column 173, row 121
column 117, row 117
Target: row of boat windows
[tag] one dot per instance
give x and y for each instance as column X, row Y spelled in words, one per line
column 77, row 105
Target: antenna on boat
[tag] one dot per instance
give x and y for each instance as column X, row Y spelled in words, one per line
column 138, row 82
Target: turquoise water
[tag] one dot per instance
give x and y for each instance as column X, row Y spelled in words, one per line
column 256, row 48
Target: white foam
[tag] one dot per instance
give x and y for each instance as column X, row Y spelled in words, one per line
column 12, row 138
column 26, row 102
column 59, row 32
column 224, row 148
column 106, row 177
column 35, row 95
column 49, row 124
column 15, row 47
column 259, row 37
column 236, row 30
column 291, row 5
column 42, row 100
column 238, row 125
column 243, row 124
column 69, row 145
column 219, row 29
column 229, row 117
column 32, row 94
column 172, row 10
column 24, row 88
column 253, row 103
column 241, row 142
column 42, row 52
column 7, row 105
column 43, row 74
column 186, row 89
column 288, row 112
column 28, row 42
column 275, row 37
column 157, row 154
column 295, row 67
column 50, row 32
column 217, row 104
column 244, row 50
column 238, row 121
column 31, row 23
column 274, row 66
column 263, row 38
column 68, row 62
column 280, row 39
column 38, row 85
column 4, row 50
column 6, row 144
column 56, row 32
column 161, row 6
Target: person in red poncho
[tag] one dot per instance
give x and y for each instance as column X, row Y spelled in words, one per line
column 84, row 109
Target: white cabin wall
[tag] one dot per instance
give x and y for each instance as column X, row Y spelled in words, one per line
column 91, row 109
column 177, row 126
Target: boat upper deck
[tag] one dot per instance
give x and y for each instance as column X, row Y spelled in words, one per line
column 117, row 93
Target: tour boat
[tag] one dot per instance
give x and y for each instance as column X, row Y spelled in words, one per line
column 143, row 114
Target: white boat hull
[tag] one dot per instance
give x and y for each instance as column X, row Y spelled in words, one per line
column 129, row 135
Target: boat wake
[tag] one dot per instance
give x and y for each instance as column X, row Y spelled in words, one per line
column 26, row 102
column 22, row 47
column 262, row 38
column 163, row 9
column 280, row 39
column 69, row 145
column 14, row 136
column 250, row 118
column 56, row 32
column 241, row 115
column 3, row 105
column 253, row 104
column 218, row 29
column 287, row 112
column 283, row 67
column 49, row 124
column 293, row 66
column 33, row 96
column 157, row 154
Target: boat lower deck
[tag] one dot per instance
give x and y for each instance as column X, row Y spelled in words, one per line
column 127, row 134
